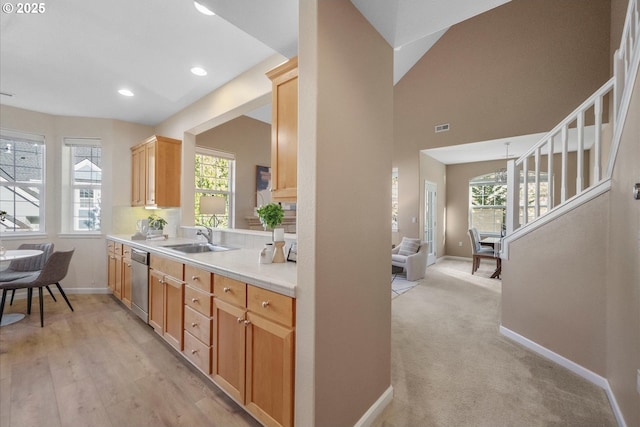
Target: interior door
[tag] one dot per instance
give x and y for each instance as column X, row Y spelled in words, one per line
column 430, row 215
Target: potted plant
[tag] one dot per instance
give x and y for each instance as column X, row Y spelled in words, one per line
column 271, row 215
column 156, row 224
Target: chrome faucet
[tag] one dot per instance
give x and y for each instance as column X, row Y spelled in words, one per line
column 207, row 232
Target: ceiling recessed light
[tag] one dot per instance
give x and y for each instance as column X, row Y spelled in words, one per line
column 202, row 9
column 125, row 92
column 198, row 71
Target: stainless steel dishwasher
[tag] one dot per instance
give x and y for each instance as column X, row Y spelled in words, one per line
column 140, row 284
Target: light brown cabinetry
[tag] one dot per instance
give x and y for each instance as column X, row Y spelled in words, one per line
column 155, row 172
column 284, row 131
column 198, row 317
column 126, row 275
column 114, row 268
column 253, row 353
column 166, row 299
column 270, row 357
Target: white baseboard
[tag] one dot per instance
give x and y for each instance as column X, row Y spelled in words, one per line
column 376, row 409
column 579, row 370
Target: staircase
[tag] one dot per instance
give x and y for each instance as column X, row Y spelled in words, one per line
column 591, row 131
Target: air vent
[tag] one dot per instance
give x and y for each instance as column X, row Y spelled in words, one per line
column 442, row 128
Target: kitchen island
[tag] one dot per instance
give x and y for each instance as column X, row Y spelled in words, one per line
column 228, row 315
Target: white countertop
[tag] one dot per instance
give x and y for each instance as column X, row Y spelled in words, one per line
column 240, row 264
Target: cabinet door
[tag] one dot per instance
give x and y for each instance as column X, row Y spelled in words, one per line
column 111, row 271
column 150, row 163
column 156, row 300
column 117, row 289
column 126, row 281
column 173, row 311
column 138, row 176
column 269, row 371
column 284, row 131
column 228, row 364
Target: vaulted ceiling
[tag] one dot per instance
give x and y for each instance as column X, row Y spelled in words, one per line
column 73, row 57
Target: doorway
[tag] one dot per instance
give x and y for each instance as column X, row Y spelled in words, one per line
column 430, row 215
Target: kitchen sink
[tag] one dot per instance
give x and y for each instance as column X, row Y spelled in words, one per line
column 196, row 248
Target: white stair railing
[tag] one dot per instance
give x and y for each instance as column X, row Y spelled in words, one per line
column 534, row 189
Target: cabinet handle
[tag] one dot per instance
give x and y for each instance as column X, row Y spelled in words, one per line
column 126, row 252
column 265, row 304
column 240, row 320
column 226, row 289
column 247, row 322
column 194, row 324
column 194, row 299
column 194, row 351
column 195, row 278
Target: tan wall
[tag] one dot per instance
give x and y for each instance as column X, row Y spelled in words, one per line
column 623, row 270
column 344, row 189
column 88, row 266
column 517, row 69
column 554, row 289
column 250, row 141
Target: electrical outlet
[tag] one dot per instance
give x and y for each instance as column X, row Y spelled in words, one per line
column 460, row 244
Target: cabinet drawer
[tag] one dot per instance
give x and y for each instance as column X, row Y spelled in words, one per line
column 230, row 290
column 117, row 248
column 110, row 247
column 197, row 325
column 198, row 278
column 167, row 266
column 271, row 305
column 197, row 352
column 198, row 300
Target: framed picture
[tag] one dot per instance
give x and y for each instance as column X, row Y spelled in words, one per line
column 263, row 185
column 292, row 255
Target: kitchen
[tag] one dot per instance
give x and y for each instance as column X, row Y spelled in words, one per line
column 252, row 89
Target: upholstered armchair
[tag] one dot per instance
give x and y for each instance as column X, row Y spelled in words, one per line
column 411, row 255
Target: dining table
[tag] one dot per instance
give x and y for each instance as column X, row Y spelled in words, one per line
column 10, row 255
column 493, row 241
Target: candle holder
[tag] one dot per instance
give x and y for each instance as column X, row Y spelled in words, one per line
column 278, row 255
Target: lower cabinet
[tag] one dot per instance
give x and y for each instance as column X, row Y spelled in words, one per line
column 126, row 275
column 119, row 271
column 166, row 299
column 241, row 336
column 253, row 352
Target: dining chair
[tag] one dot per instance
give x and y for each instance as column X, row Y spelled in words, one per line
column 478, row 252
column 54, row 270
column 21, row 268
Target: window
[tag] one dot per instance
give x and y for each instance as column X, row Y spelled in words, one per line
column 394, row 199
column 22, row 160
column 82, row 195
column 487, row 204
column 215, row 176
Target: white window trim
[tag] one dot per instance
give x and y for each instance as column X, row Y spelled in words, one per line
column 67, row 207
column 40, row 140
column 232, row 186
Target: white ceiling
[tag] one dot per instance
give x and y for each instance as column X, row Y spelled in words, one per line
column 72, row 59
column 496, row 149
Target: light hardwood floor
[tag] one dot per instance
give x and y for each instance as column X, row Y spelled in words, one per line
column 100, row 366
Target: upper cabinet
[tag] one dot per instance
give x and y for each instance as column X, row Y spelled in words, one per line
column 155, row 172
column 284, row 131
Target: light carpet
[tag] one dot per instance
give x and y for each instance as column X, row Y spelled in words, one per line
column 451, row 367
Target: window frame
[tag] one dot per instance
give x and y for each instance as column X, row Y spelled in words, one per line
column 28, row 138
column 69, row 219
column 229, row 195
